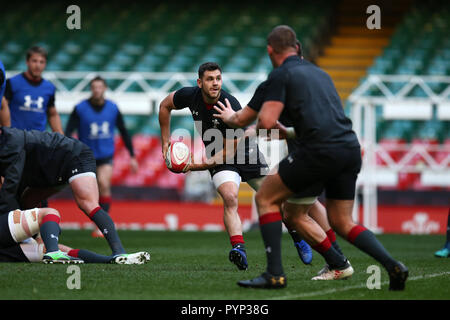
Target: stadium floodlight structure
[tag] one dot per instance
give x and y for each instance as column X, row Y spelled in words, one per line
column 376, row 91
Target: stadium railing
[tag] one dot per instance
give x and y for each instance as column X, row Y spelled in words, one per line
column 428, row 160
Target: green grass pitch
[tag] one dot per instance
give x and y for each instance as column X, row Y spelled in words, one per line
column 195, row 266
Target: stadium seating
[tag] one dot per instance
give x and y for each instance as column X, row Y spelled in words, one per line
column 160, row 36
column 137, row 37
column 419, row 46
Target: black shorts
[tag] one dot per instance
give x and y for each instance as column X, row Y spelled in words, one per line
column 82, row 163
column 307, row 172
column 6, row 239
column 13, row 254
column 102, row 161
column 246, row 171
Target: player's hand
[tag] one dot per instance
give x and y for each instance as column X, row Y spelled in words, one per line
column 279, row 132
column 134, row 165
column 225, row 112
column 165, row 148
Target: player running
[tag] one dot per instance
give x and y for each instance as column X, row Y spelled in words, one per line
column 295, row 209
column 226, row 177
column 303, row 211
column 329, row 159
column 36, row 165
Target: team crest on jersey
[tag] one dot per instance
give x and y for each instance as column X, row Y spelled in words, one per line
column 215, row 123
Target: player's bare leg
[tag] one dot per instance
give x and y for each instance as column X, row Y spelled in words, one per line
column 319, row 214
column 297, row 216
column 229, row 193
column 85, row 192
column 340, row 217
column 104, row 175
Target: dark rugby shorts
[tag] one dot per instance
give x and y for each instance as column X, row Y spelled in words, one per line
column 307, row 172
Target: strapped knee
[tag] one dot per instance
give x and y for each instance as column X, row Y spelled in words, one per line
column 23, row 224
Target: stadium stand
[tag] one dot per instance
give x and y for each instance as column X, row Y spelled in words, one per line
column 413, row 40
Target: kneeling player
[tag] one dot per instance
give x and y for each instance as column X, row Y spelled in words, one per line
column 17, row 227
column 36, row 165
column 23, row 234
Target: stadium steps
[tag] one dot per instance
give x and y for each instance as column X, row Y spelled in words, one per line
column 353, row 47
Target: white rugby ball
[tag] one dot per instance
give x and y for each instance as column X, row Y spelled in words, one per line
column 178, row 156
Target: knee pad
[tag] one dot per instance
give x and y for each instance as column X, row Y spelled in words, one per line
column 23, row 224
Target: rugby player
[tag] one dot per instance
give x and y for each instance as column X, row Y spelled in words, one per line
column 226, row 176
column 329, row 159
column 36, row 165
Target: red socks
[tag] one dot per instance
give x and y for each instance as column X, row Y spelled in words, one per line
column 93, row 212
column 354, row 232
column 234, row 240
column 323, row 246
column 269, row 217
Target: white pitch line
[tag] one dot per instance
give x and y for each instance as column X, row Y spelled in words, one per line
column 360, row 286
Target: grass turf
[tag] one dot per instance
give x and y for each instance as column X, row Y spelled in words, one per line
column 195, row 266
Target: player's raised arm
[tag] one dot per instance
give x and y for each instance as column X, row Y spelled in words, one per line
column 165, row 108
column 235, row 119
column 269, row 114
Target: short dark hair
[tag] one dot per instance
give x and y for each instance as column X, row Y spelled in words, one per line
column 98, row 78
column 281, row 38
column 38, row 50
column 208, row 66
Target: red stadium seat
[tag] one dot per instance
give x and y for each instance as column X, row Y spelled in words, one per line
column 394, row 148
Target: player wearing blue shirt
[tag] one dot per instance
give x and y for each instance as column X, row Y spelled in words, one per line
column 31, row 98
column 95, row 119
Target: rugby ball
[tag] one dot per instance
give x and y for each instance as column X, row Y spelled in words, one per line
column 178, row 157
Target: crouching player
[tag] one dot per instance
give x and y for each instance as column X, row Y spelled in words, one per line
column 33, row 236
column 17, row 226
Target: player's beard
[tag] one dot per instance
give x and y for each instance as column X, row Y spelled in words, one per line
column 209, row 96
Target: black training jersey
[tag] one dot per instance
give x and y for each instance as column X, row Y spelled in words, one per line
column 32, row 158
column 258, row 99
column 202, row 113
column 256, row 103
column 312, row 104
